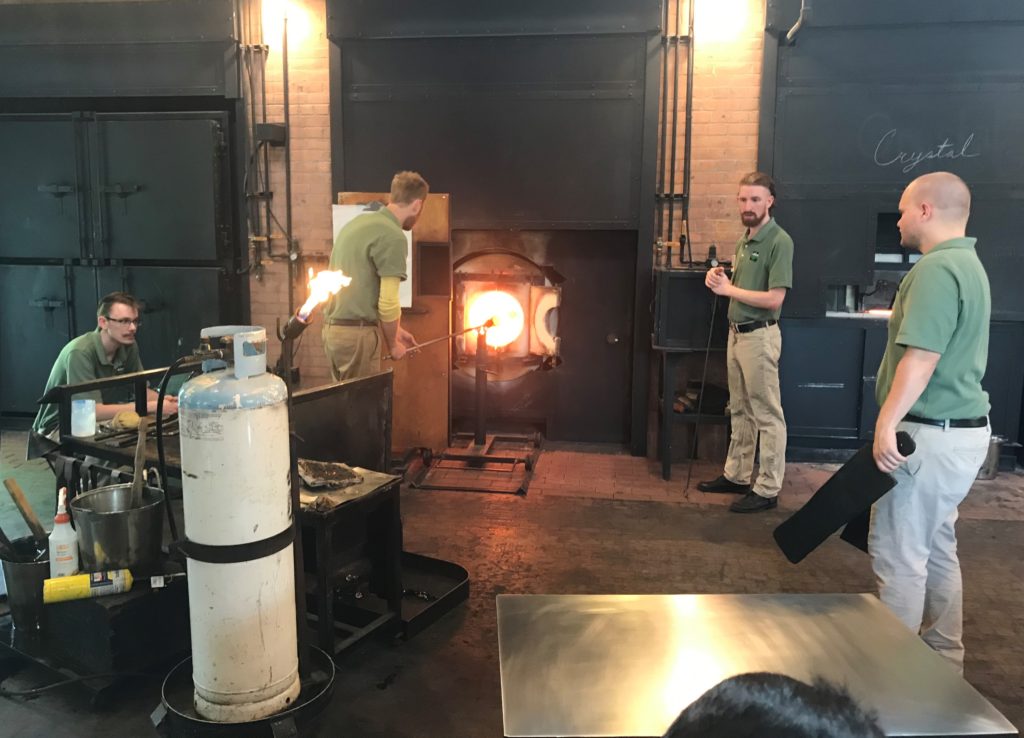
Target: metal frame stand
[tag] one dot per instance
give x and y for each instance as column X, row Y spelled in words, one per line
column 480, row 446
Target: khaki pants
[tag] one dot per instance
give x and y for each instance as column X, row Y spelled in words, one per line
column 352, row 351
column 755, row 407
column 913, row 542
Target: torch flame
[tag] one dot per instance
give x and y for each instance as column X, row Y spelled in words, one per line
column 501, row 308
column 321, row 287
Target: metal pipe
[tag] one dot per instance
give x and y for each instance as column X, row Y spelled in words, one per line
column 288, row 171
column 687, row 132
column 675, row 128
column 660, row 200
column 449, row 337
column 805, row 13
column 480, row 437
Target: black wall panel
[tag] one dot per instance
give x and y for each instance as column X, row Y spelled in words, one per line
column 162, row 47
column 871, row 96
column 454, row 18
column 527, row 133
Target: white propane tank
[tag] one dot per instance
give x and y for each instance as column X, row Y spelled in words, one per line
column 235, row 465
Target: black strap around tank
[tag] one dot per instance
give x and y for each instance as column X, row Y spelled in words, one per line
column 236, row 553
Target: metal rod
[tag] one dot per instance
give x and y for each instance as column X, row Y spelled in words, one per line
column 288, row 170
column 660, row 211
column 687, row 132
column 449, row 337
column 480, row 436
column 675, row 128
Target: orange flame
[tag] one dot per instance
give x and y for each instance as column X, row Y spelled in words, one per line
column 503, row 309
column 321, row 287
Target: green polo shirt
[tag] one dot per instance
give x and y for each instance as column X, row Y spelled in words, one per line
column 368, row 247
column 83, row 360
column 943, row 305
column 762, row 263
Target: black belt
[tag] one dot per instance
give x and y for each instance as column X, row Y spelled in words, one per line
column 751, row 326
column 353, row 323
column 953, row 423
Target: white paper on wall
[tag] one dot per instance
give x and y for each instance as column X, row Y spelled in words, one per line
column 342, row 214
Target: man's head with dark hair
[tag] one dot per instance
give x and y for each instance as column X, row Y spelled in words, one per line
column 115, row 298
column 755, row 198
column 759, row 179
column 763, row 705
column 117, row 317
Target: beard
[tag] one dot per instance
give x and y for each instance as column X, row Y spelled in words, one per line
column 751, row 219
column 409, row 222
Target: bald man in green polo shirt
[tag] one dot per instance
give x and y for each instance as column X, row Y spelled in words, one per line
column 929, row 384
column 762, row 273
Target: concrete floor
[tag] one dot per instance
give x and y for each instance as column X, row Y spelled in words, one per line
column 595, row 521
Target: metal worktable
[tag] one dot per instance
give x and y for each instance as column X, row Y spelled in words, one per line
column 627, row 665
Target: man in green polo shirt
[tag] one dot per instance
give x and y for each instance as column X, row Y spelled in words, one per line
column 929, row 384
column 108, row 351
column 372, row 249
column 762, row 273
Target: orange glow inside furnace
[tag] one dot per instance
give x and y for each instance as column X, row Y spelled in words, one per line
column 501, row 307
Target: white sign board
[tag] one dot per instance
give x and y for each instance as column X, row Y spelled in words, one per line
column 342, row 214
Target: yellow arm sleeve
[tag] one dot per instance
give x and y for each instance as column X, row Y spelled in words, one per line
column 387, row 303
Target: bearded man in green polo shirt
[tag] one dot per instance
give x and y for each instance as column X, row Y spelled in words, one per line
column 929, row 384
column 108, row 351
column 762, row 273
column 372, row 249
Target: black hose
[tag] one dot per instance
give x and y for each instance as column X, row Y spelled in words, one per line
column 64, row 682
column 700, row 398
column 171, row 522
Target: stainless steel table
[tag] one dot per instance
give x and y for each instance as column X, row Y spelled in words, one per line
column 626, row 665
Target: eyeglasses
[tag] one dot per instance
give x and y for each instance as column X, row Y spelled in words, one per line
column 137, row 322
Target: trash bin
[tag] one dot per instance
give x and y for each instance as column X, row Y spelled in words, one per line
column 25, row 584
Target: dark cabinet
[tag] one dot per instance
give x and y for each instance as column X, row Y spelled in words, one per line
column 828, row 375
column 40, row 189
column 92, row 203
column 135, row 187
column 158, row 188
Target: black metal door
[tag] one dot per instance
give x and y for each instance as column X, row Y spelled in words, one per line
column 157, row 183
column 39, row 189
column 34, row 326
column 595, row 324
column 176, row 303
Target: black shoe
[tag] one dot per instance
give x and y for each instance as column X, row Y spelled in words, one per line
column 753, row 502
column 723, row 485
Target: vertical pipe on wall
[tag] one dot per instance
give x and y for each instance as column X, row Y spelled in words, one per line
column 687, row 131
column 675, row 112
column 660, row 195
column 288, row 171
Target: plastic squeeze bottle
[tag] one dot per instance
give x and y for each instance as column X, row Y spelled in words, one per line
column 63, row 541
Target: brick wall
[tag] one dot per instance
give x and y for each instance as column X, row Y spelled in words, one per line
column 727, row 76
column 309, row 103
column 728, row 44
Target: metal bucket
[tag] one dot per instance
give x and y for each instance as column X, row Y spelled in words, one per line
column 25, row 585
column 112, row 536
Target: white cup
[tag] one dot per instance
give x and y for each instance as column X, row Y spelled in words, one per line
column 83, row 417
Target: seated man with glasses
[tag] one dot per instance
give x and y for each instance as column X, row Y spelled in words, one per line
column 106, row 352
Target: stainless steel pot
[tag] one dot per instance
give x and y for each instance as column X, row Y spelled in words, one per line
column 112, row 535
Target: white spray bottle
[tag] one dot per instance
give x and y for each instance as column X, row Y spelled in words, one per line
column 63, row 541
